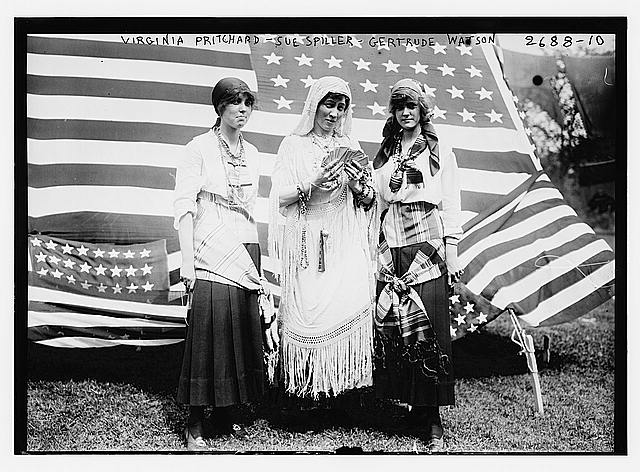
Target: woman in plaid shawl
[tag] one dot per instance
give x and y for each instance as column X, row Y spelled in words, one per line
column 417, row 253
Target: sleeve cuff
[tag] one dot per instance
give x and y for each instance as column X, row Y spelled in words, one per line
column 180, row 212
column 452, row 239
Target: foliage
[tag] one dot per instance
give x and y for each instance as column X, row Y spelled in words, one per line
column 546, row 135
column 573, row 130
column 566, row 153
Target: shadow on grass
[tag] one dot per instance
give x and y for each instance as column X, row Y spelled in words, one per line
column 354, row 408
column 485, row 354
column 121, row 396
column 384, row 416
column 155, row 370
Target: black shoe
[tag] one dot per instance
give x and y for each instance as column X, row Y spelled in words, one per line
column 416, row 418
column 435, row 434
column 421, row 417
column 435, row 444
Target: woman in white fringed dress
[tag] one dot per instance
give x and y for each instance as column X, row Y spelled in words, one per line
column 322, row 229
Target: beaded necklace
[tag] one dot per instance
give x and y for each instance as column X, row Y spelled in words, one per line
column 400, row 155
column 326, row 144
column 235, row 191
column 399, row 158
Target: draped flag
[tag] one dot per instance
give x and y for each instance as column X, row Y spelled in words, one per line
column 532, row 254
column 129, row 284
column 108, row 116
column 77, row 269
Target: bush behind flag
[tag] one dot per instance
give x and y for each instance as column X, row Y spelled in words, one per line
column 107, row 119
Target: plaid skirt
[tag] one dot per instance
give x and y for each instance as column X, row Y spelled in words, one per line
column 407, row 383
column 222, row 363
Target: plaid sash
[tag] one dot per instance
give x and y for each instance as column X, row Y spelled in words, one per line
column 399, row 307
column 217, row 251
column 401, row 320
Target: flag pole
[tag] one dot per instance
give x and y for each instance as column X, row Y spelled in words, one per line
column 525, row 341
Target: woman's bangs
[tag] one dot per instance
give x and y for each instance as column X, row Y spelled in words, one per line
column 399, row 100
column 250, row 99
column 334, row 96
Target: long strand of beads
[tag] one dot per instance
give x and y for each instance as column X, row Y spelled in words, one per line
column 302, row 215
column 225, row 145
column 304, row 261
column 326, row 147
column 325, row 143
column 395, row 181
column 236, row 194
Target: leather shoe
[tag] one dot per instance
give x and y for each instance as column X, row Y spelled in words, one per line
column 194, row 444
column 435, row 444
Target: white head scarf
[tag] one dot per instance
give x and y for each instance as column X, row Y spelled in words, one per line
column 317, row 92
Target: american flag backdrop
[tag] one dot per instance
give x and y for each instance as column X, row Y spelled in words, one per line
column 108, row 116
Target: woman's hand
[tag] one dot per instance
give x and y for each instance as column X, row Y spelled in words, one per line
column 354, row 173
column 188, row 274
column 327, row 174
column 271, row 336
column 453, row 265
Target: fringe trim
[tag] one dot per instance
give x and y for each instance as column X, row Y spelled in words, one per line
column 275, row 234
column 338, row 219
column 331, row 368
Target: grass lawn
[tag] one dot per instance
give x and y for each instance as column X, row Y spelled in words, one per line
column 120, row 399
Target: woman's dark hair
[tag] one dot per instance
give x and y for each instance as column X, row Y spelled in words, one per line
column 392, row 127
column 336, row 97
column 231, row 98
column 399, row 100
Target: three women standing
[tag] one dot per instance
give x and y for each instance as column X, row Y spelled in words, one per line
column 215, row 194
column 323, row 227
column 413, row 174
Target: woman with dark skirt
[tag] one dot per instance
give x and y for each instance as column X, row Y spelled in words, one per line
column 417, row 260
column 215, row 194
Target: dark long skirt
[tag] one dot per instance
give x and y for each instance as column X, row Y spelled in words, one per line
column 223, row 357
column 408, row 384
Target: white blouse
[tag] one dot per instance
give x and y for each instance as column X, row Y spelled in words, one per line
column 442, row 188
column 201, row 168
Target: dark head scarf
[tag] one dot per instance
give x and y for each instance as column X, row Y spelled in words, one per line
column 226, row 90
column 392, row 130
